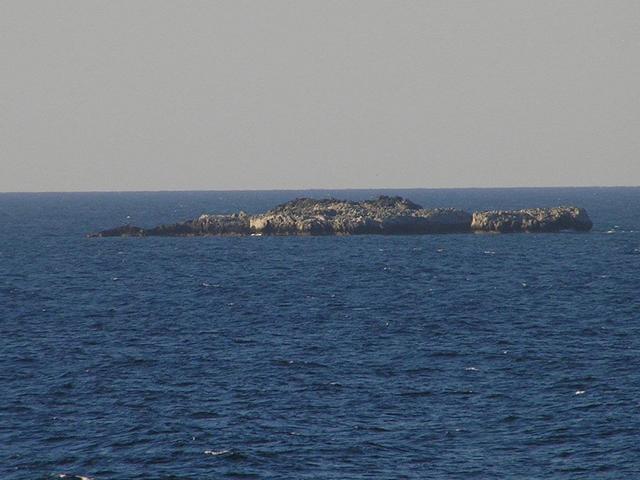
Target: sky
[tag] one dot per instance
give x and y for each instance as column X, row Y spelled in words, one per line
column 234, row 95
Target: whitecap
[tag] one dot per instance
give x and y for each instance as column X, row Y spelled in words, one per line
column 489, row 252
column 580, row 392
column 471, row 369
column 216, row 453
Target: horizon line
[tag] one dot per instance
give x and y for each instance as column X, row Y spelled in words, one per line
column 313, row 189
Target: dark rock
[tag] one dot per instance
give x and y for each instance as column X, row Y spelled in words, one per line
column 236, row 224
column 124, row 231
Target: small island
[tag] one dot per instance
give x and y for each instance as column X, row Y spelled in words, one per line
column 383, row 216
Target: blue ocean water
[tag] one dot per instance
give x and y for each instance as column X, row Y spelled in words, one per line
column 449, row 356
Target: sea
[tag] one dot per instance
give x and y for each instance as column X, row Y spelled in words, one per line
column 462, row 356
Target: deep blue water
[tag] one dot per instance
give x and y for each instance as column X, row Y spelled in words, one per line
column 452, row 356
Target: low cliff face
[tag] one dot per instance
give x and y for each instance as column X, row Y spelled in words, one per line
column 532, row 220
column 384, row 215
column 235, row 224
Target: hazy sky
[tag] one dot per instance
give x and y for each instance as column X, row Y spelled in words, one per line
column 165, row 95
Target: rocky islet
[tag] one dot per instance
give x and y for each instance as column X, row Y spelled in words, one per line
column 384, row 215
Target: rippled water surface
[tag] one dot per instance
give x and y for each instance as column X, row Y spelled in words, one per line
column 452, row 356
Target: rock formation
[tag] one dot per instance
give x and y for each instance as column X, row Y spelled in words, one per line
column 384, row 215
column 123, row 231
column 553, row 219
